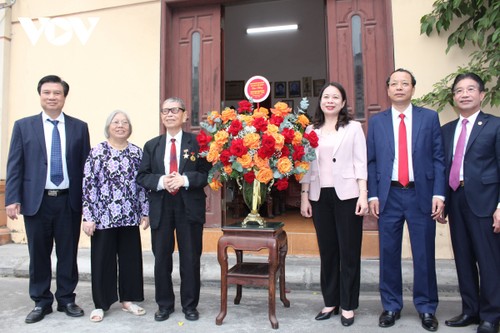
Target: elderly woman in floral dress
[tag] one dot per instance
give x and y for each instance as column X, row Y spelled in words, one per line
column 114, row 206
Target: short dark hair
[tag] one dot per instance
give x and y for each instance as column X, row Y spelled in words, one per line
column 53, row 79
column 468, row 75
column 344, row 116
column 413, row 80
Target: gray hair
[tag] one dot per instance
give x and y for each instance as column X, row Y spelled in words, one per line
column 176, row 100
column 110, row 119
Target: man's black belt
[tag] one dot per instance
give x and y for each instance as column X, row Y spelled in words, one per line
column 56, row 193
column 399, row 185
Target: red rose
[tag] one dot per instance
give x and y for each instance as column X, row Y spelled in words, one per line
column 289, row 134
column 203, row 139
column 298, row 152
column 276, row 120
column 249, row 177
column 235, row 127
column 285, row 151
column 281, row 184
column 224, row 157
column 313, row 138
column 268, row 141
column 237, row 148
column 260, row 124
column 244, row 106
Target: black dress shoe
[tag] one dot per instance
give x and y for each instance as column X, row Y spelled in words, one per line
column 163, row 314
column 429, row 322
column 462, row 320
column 326, row 315
column 71, row 310
column 388, row 318
column 487, row 327
column 37, row 314
column 191, row 314
column 346, row 321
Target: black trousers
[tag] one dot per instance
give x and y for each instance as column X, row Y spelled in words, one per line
column 116, row 251
column 339, row 231
column 477, row 257
column 189, row 238
column 56, row 222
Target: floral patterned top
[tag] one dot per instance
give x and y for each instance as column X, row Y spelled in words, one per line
column 111, row 196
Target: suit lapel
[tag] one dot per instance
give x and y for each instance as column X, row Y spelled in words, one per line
column 160, row 155
column 415, row 126
column 341, row 135
column 68, row 128
column 185, row 147
column 451, row 139
column 389, row 129
column 39, row 133
column 481, row 121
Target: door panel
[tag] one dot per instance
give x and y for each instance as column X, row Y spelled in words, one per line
column 191, row 59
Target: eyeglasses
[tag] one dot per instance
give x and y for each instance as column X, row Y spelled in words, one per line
column 394, row 84
column 175, row 110
column 461, row 91
column 120, row 122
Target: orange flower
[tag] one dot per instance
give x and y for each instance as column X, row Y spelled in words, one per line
column 212, row 117
column 228, row 169
column 213, row 154
column 264, row 175
column 215, row 184
column 297, row 138
column 303, row 120
column 280, row 140
column 251, row 140
column 220, row 138
column 281, row 109
column 302, row 164
column 228, row 114
column 299, row 176
column 261, row 163
column 246, row 119
column 284, row 165
column 261, row 112
column 245, row 161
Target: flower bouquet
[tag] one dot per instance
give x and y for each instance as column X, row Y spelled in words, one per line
column 257, row 147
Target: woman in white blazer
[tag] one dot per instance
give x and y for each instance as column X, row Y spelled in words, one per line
column 334, row 192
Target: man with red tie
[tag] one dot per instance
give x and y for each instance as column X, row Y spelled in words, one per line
column 472, row 148
column 406, row 183
column 175, row 178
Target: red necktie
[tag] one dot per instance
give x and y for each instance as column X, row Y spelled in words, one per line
column 173, row 159
column 403, row 177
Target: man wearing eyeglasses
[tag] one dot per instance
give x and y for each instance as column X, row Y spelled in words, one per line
column 175, row 177
column 472, row 147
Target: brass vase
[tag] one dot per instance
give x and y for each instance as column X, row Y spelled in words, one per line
column 254, row 194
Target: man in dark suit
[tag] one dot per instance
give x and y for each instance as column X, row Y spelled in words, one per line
column 44, row 183
column 473, row 204
column 406, row 183
column 175, row 178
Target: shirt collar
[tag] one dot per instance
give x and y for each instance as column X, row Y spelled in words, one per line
column 472, row 118
column 407, row 112
column 60, row 118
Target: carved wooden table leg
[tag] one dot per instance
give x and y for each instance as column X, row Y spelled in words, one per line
column 222, row 258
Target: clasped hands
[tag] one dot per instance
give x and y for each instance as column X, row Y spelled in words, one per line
column 173, row 181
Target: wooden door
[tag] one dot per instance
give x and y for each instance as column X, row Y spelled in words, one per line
column 191, row 69
column 360, row 57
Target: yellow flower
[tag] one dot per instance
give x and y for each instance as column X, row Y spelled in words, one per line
column 212, row 117
column 247, row 119
column 245, row 161
column 281, row 109
column 271, row 128
column 297, row 138
column 251, row 140
column 215, row 184
column 220, row 138
column 228, row 114
column 284, row 165
column 303, row 120
column 299, row 176
column 264, row 175
column 280, row 140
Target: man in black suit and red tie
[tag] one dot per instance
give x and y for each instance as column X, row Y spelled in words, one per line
column 175, row 178
column 44, row 183
column 472, row 147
